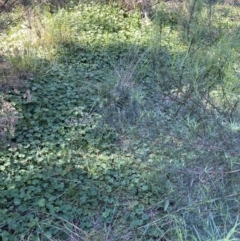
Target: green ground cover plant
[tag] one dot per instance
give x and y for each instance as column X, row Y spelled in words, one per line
column 117, row 125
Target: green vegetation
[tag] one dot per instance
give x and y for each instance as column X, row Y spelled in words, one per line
column 118, row 126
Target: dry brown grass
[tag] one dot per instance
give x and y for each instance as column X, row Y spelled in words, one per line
column 9, row 81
